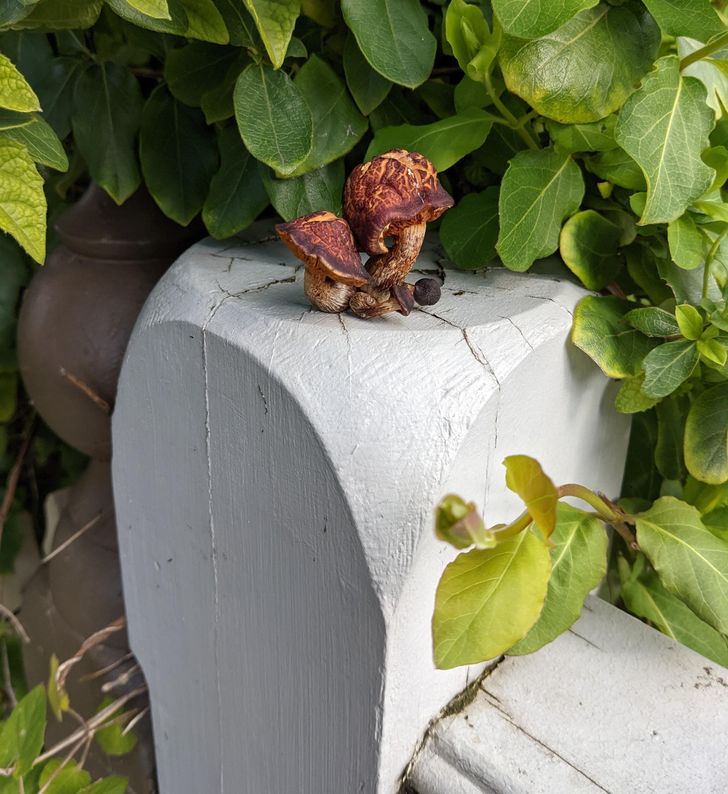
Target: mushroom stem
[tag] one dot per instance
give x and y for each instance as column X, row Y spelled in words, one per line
column 390, row 269
column 325, row 293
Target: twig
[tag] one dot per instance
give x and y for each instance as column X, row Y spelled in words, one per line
column 7, row 677
column 95, row 639
column 15, row 623
column 121, row 679
column 76, row 535
column 136, row 720
column 87, row 390
column 108, row 668
column 14, row 477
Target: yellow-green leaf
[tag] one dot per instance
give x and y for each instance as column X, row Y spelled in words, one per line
column 22, row 200
column 687, row 243
column 631, row 399
column 205, row 22
column 15, row 93
column 159, row 9
column 525, row 477
column 588, row 245
column 532, row 18
column 275, row 20
column 706, row 436
column 689, row 321
column 58, row 699
column 41, row 142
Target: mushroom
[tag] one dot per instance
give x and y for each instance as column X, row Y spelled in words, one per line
column 333, row 265
column 371, row 301
column 393, row 195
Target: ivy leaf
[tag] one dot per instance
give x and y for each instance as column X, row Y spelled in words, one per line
column 488, row 599
column 22, row 734
column 469, row 230
column 317, row 190
column 538, row 191
column 689, row 321
column 107, row 109
column 191, row 70
column 691, row 562
column 109, row 785
column 368, row 87
column 22, row 200
column 694, row 18
column 205, row 22
column 443, row 142
column 41, row 143
column 647, row 598
column 273, row 118
column 62, row 15
column 630, row 398
column 667, row 366
column 159, row 9
column 337, row 124
column 530, row 19
column 601, row 331
column 588, row 245
column 15, row 93
column 653, row 321
column 706, row 436
column 178, row 155
column 403, row 49
column 237, row 195
column 664, row 127
column 525, row 477
column 587, row 68
column 275, row 20
column 578, row 564
column 687, row 243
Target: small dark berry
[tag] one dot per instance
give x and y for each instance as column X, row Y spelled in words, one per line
column 427, row 291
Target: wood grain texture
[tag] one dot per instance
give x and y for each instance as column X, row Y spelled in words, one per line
column 275, row 472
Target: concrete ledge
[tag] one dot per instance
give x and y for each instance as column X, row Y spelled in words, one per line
column 611, row 706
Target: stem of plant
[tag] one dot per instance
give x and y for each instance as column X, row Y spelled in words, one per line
column 606, row 511
column 705, row 51
column 513, row 122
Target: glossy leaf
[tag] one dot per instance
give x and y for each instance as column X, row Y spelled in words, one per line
column 530, row 19
column 525, row 477
column 176, row 24
column 538, row 191
column 667, row 366
column 664, row 127
column 689, row 321
column 587, row 68
column 694, row 18
column 15, row 93
column 691, row 562
column 488, row 599
column 394, row 37
column 706, row 436
column 601, row 331
column 178, row 155
column 22, row 734
column 237, row 195
column 273, row 118
column 22, row 200
column 275, row 20
column 589, row 246
column 41, row 143
column 443, row 142
column 367, row 86
column 687, row 243
column 317, row 190
column 578, row 564
column 159, row 9
column 469, row 230
column 106, row 118
column 195, row 69
column 653, row 321
column 630, row 398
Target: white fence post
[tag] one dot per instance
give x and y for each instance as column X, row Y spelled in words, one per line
column 275, row 470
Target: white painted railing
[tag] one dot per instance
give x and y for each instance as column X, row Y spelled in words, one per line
column 275, row 471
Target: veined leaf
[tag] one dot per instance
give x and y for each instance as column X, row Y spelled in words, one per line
column 15, row 93
column 691, row 562
column 538, row 191
column 22, row 200
column 653, row 321
column 694, row 18
column 317, row 190
column 616, row 166
column 664, row 126
column 525, row 477
column 706, row 436
column 630, row 398
column 530, row 19
column 578, row 564
column 176, row 24
column 275, row 20
column 240, row 24
column 41, row 142
column 589, row 246
column 667, row 366
column 598, row 136
column 367, row 86
column 488, row 599
column 469, row 230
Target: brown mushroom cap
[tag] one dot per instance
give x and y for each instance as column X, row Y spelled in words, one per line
column 325, row 242
column 392, row 191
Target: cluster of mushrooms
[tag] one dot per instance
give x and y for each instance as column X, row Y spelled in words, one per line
column 392, row 196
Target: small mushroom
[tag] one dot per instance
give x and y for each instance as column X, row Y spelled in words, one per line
column 394, row 195
column 371, row 301
column 333, row 266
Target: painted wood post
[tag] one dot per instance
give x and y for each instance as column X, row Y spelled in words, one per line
column 275, row 470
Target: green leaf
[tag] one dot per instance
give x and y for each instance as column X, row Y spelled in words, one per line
column 525, row 477
column 15, row 93
column 648, row 599
column 205, row 22
column 600, row 330
column 467, row 33
column 22, row 734
column 190, row 71
column 178, row 155
column 217, row 103
column 55, row 90
column 710, row 71
column 669, row 457
column 641, row 478
column 578, row 564
column 12, row 11
column 240, row 24
column 10, row 119
column 459, row 523
column 152, row 8
column 689, row 321
column 630, row 398
column 694, row 18
column 488, row 599
column 667, row 366
column 70, row 780
column 538, row 191
column 62, row 15
column 273, row 118
column 687, row 243
column 58, row 699
column 22, row 200
column 275, row 20
column 237, row 195
column 713, row 351
column 469, row 230
column 394, row 37
column 706, row 436
column 717, row 522
column 618, row 167
column 368, row 87
column 337, row 124
column 664, row 126
column 690, row 561
column 716, row 157
column 686, row 285
column 106, row 116
column 109, row 785
column 587, row 68
column 316, row 190
column 653, row 321
column 443, row 142
column 589, row 246
column 530, row 19
column 177, row 24
column 41, row 143
column 595, row 137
